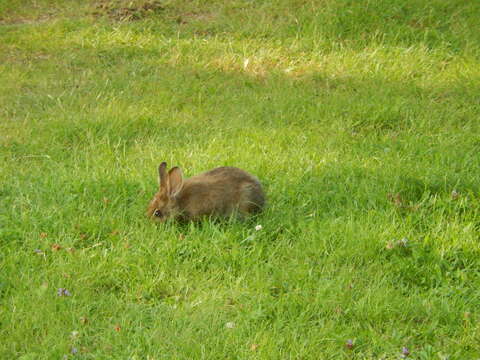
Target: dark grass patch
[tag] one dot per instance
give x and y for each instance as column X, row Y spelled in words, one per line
column 126, row 10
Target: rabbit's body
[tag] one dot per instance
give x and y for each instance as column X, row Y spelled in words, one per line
column 220, row 192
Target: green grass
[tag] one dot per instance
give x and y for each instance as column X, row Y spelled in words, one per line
column 362, row 120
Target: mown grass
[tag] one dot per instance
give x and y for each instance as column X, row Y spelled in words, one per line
column 360, row 118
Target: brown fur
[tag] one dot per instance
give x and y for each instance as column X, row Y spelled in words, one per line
column 220, row 192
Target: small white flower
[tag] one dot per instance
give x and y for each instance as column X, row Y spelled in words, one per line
column 258, row 227
column 230, row 325
column 74, row 334
column 455, row 195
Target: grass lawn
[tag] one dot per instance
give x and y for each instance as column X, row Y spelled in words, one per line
column 361, row 118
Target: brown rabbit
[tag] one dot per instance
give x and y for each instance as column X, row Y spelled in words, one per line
column 220, row 192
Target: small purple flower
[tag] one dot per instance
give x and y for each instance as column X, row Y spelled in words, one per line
column 405, row 351
column 74, row 351
column 63, row 292
column 38, row 251
column 349, row 344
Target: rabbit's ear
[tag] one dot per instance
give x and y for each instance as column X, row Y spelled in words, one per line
column 162, row 176
column 175, row 180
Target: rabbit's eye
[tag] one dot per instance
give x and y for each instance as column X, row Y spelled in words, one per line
column 158, row 213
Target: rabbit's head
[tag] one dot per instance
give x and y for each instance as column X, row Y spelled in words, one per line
column 164, row 204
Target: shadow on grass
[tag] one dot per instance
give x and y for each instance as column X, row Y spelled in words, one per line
column 195, row 106
column 449, row 24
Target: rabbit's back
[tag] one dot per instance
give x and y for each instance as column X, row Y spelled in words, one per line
column 221, row 191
